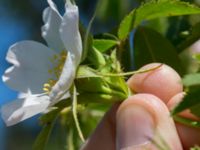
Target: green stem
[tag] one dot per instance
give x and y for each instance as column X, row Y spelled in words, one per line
column 70, row 143
column 74, row 112
column 128, row 73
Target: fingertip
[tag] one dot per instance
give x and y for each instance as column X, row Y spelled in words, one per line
column 163, row 82
column 175, row 100
column 143, row 118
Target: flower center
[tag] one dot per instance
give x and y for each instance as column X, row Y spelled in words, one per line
column 58, row 60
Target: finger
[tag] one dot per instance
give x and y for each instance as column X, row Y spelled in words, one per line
column 144, row 122
column 175, row 100
column 163, row 82
column 104, row 135
column 188, row 135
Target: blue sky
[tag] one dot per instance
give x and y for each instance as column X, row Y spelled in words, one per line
column 11, row 31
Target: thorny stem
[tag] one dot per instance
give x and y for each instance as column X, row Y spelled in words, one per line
column 128, row 73
column 74, row 112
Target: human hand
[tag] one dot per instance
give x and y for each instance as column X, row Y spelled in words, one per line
column 143, row 121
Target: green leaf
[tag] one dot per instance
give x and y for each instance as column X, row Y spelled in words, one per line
column 127, row 25
column 159, row 24
column 154, row 9
column 186, row 121
column 104, row 44
column 194, row 35
column 196, row 110
column 191, row 80
column 191, row 99
column 150, row 46
column 87, row 44
column 43, row 137
column 124, row 54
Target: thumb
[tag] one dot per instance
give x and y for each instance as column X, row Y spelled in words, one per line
column 144, row 122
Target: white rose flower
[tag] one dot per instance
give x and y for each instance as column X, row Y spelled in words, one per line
column 44, row 74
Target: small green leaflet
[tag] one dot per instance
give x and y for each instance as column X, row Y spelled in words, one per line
column 152, row 10
column 104, row 44
column 196, row 110
column 151, row 46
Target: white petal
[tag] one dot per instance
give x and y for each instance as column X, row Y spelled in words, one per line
column 69, row 32
column 50, row 29
column 65, row 81
column 66, row 95
column 53, row 5
column 23, row 95
column 31, row 63
column 22, row 109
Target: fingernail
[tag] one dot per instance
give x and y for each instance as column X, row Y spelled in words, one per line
column 135, row 126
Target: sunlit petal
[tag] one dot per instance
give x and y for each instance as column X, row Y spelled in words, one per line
column 65, row 81
column 31, row 64
column 21, row 109
column 50, row 29
column 52, row 5
column 69, row 32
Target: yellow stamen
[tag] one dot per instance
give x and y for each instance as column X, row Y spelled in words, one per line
column 59, row 60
